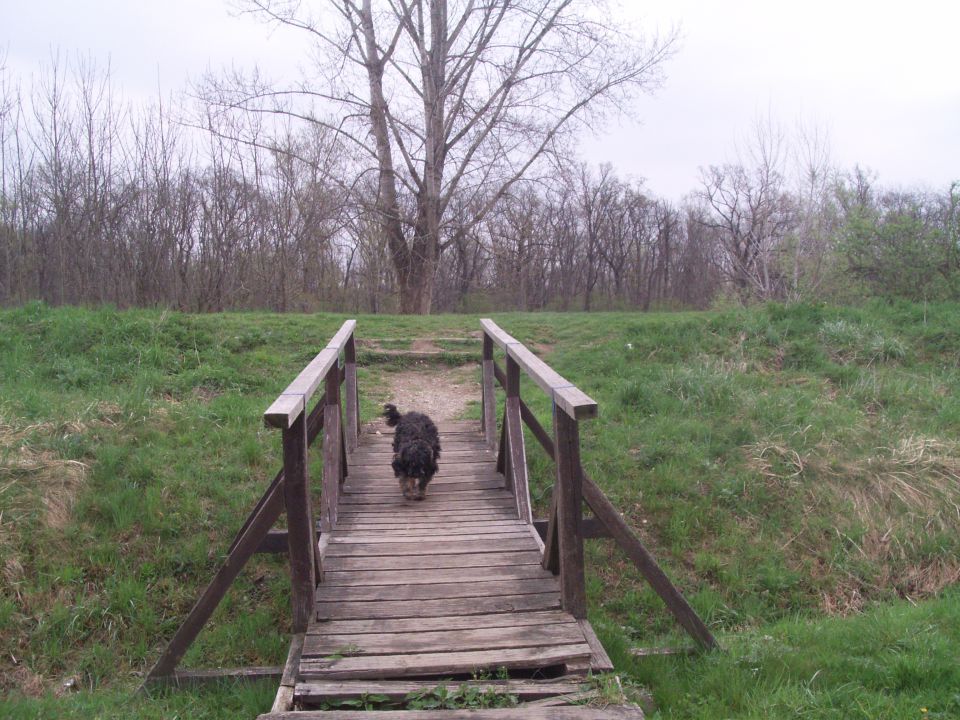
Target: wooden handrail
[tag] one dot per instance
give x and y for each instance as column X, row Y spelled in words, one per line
column 575, row 403
column 565, row 531
column 294, row 399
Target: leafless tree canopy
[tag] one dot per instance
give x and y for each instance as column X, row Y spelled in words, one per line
column 103, row 202
column 450, row 101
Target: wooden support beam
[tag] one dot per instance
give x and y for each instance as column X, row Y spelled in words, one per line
column 352, row 427
column 676, row 603
column 569, row 514
column 301, row 536
column 262, row 519
column 489, row 398
column 188, row 678
column 288, row 681
column 593, row 528
column 330, row 491
column 516, row 452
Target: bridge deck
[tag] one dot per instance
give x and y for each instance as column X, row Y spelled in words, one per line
column 443, row 587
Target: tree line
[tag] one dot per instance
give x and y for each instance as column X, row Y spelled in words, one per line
column 104, row 202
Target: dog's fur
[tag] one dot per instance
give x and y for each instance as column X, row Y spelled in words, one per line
column 416, row 450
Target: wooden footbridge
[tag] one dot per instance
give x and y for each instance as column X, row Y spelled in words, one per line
column 463, row 595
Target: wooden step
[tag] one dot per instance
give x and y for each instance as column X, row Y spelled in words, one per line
column 397, row 690
column 575, row 712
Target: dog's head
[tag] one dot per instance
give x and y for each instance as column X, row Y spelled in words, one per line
column 414, row 462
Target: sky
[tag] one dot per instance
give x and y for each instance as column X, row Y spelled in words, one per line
column 881, row 78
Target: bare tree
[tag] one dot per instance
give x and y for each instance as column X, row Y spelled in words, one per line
column 459, row 97
column 752, row 212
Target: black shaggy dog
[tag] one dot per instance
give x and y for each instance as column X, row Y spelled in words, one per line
column 416, row 449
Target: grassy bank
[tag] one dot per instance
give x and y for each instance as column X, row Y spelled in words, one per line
column 796, row 470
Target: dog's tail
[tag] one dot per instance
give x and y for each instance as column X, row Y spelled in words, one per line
column 391, row 414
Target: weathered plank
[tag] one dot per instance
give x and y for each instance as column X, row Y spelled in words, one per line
column 358, row 610
column 381, row 498
column 437, row 591
column 316, row 691
column 186, row 678
column 443, row 641
column 440, row 575
column 378, row 666
column 570, row 514
column 284, row 698
column 572, row 712
column 284, row 410
column 414, row 561
column 356, row 538
column 417, row 548
column 301, row 532
column 641, row 557
column 599, row 660
column 439, row 622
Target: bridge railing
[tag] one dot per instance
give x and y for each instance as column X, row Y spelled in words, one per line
column 565, row 529
column 333, row 367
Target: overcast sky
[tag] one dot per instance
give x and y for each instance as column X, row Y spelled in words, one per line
column 882, row 78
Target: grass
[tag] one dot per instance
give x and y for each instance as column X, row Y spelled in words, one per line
column 795, row 469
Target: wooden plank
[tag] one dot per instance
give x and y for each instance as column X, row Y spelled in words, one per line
column 264, row 516
column 401, row 547
column 435, row 504
column 454, row 525
column 392, row 497
column 440, row 575
column 592, row 528
column 439, row 485
column 496, row 333
column 355, row 538
column 316, row 691
column 518, row 460
column 445, row 469
column 569, row 514
column 488, row 395
column 442, row 622
column 384, row 443
column 404, row 562
column 284, row 410
column 331, row 456
column 358, row 610
column 572, row 712
column 575, row 403
column 428, row 515
column 641, row 557
column 443, row 641
column 437, row 591
column 301, row 531
column 284, row 698
column 187, row 678
column 340, row 338
column 448, row 663
column 599, row 660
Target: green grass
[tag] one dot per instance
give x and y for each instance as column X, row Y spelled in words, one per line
column 795, row 469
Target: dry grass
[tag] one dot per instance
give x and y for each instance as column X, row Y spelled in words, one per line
column 886, row 505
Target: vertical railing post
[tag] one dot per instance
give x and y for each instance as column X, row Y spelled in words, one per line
column 330, row 491
column 516, row 451
column 489, row 405
column 301, row 532
column 569, row 492
column 352, row 426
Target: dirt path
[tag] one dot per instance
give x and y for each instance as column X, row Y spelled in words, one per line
column 440, row 392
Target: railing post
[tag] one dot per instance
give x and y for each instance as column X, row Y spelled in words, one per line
column 352, row 426
column 489, row 406
column 330, row 489
column 516, row 451
column 569, row 491
column 301, row 534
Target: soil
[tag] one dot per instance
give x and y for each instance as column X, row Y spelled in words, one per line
column 441, row 393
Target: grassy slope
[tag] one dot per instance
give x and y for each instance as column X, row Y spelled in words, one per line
column 795, row 469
